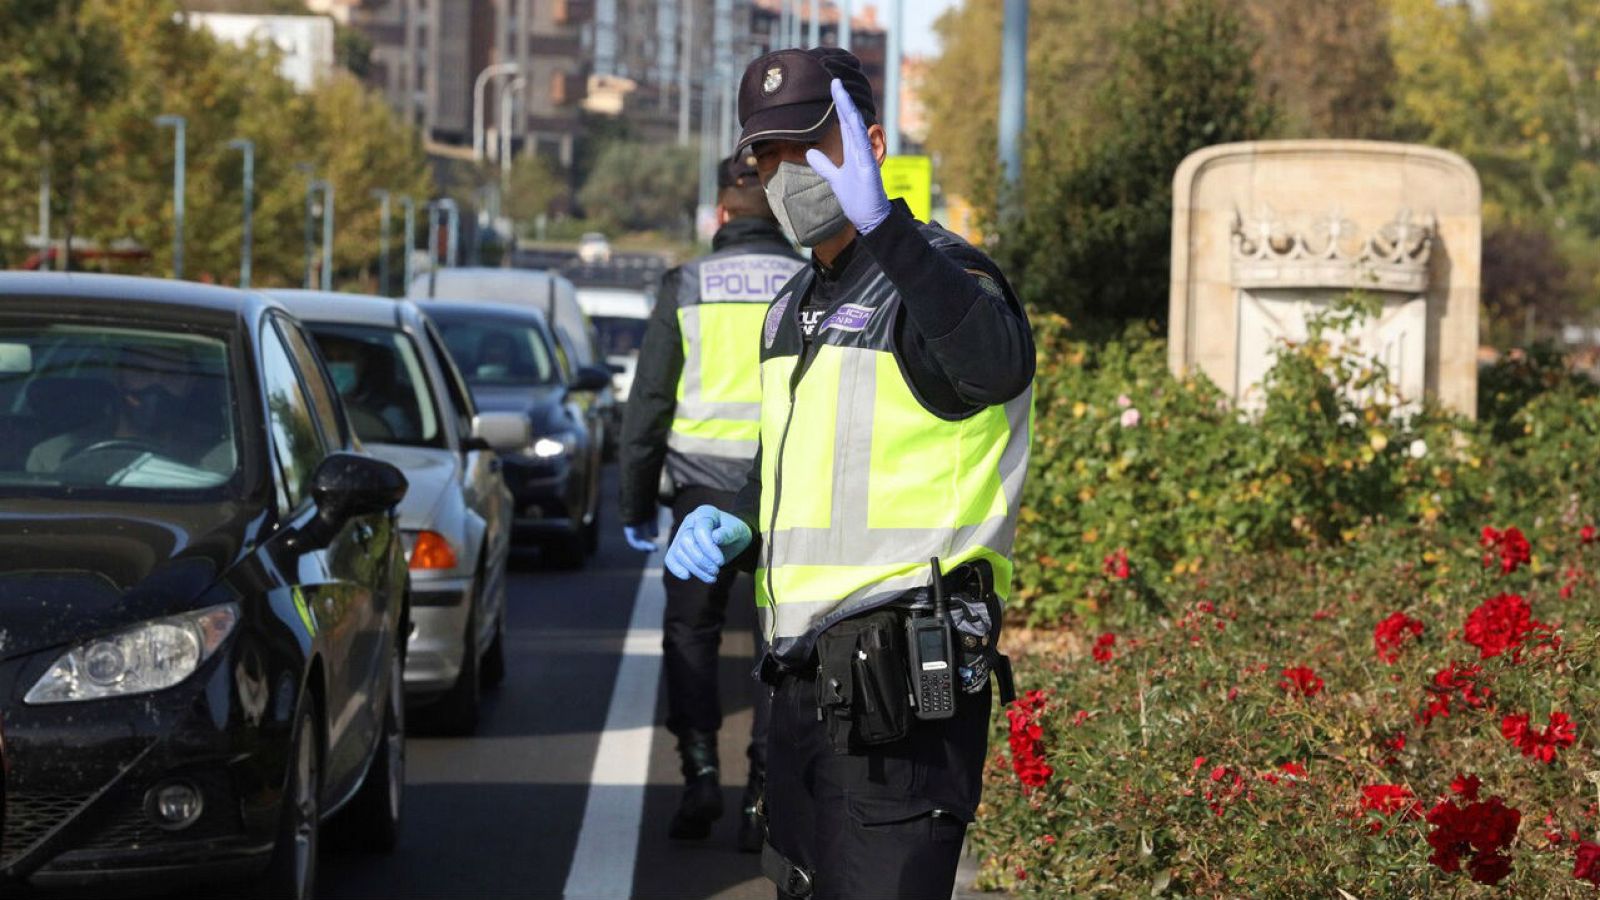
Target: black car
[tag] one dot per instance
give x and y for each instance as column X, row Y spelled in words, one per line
column 512, row 364
column 202, row 589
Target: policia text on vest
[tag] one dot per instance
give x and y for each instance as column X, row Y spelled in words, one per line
column 895, row 432
column 694, row 409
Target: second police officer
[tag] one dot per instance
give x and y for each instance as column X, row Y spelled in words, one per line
column 896, row 379
column 694, row 410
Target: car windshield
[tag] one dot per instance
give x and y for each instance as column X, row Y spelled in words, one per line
column 117, row 409
column 496, row 350
column 380, row 377
column 619, row 335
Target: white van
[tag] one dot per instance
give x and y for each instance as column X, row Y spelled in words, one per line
column 620, row 316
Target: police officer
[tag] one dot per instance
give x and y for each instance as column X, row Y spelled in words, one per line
column 896, row 383
column 694, row 404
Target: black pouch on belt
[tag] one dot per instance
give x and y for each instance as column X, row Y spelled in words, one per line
column 862, row 694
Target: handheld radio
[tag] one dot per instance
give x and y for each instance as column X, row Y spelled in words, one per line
column 933, row 665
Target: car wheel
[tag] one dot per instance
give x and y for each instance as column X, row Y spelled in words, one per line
column 292, row 873
column 373, row 816
column 457, row 711
column 494, row 660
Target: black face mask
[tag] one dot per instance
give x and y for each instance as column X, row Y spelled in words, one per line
column 149, row 407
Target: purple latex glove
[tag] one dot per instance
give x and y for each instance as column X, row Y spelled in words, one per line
column 857, row 183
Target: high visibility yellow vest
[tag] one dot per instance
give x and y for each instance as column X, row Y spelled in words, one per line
column 861, row 483
column 721, row 303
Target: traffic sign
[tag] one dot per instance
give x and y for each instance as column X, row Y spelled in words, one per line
column 910, row 178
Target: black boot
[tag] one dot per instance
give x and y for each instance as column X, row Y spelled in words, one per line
column 702, row 793
column 752, row 820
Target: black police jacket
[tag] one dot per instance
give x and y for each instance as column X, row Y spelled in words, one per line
column 962, row 336
column 654, row 395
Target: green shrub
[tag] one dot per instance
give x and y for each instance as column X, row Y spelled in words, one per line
column 1128, row 459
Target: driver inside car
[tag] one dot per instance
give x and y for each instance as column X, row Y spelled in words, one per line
column 152, row 410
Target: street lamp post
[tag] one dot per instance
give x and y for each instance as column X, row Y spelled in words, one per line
column 248, row 148
column 433, row 247
column 410, row 206
column 383, row 241
column 508, row 91
column 327, row 235
column 179, row 126
column 1013, row 98
column 478, row 87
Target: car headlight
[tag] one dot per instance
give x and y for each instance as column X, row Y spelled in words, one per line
column 550, row 446
column 151, row 656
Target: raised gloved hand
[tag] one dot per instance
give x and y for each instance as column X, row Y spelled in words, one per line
column 857, row 183
column 706, row 540
column 642, row 537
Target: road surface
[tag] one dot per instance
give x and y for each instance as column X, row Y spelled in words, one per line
column 523, row 809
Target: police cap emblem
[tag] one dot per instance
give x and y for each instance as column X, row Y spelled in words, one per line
column 773, row 81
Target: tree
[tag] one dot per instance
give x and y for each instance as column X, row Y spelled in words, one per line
column 536, row 184
column 58, row 62
column 120, row 187
column 1327, row 67
column 1094, row 238
column 1069, row 55
column 641, row 187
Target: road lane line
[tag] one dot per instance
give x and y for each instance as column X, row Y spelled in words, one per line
column 608, row 840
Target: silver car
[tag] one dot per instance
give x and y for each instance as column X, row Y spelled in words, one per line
column 410, row 407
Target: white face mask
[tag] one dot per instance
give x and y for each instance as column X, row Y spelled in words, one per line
column 804, row 204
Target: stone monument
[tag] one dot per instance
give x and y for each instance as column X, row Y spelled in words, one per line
column 1266, row 234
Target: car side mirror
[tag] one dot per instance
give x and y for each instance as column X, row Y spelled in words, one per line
column 499, row 431
column 347, row 486
column 589, row 379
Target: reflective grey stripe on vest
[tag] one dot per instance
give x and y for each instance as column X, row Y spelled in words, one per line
column 724, row 473
column 848, row 541
column 683, row 443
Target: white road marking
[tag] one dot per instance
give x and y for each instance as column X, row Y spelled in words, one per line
column 608, row 840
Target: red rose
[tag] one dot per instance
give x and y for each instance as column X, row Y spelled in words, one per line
column 1391, row 633
column 1586, row 534
column 1499, row 624
column 1586, row 867
column 1302, row 680
column 1476, row 834
column 1455, row 681
column 1467, row 786
column 1510, row 546
column 1389, row 801
column 1027, row 758
column 1116, row 565
column 1102, row 648
column 1536, row 743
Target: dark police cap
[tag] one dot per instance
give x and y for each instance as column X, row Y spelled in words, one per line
column 738, row 170
column 785, row 95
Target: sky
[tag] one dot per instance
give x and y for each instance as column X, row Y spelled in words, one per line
column 920, row 14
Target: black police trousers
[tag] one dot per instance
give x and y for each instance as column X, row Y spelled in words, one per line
column 692, row 638
column 885, row 823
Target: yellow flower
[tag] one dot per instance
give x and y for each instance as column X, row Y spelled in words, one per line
column 1091, row 535
column 1079, row 408
column 1378, row 440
